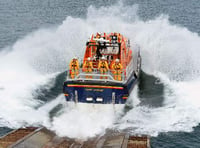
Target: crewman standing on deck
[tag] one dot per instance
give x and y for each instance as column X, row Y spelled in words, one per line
column 117, row 70
column 103, row 67
column 74, row 67
column 88, row 67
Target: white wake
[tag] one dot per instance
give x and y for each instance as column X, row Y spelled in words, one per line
column 168, row 51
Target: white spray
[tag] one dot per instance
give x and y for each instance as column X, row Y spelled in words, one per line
column 168, row 51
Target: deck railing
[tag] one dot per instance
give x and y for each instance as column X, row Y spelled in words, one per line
column 95, row 75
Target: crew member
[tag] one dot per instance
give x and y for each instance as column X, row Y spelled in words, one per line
column 74, row 67
column 103, row 67
column 88, row 67
column 117, row 70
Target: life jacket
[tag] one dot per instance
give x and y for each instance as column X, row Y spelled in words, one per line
column 74, row 64
column 117, row 66
column 103, row 64
column 88, row 64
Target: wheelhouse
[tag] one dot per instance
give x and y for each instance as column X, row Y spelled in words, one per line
column 111, row 46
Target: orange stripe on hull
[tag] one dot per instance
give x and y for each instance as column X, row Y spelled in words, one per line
column 66, row 94
column 94, row 86
column 124, row 97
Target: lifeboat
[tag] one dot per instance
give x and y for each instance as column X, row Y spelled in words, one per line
column 104, row 88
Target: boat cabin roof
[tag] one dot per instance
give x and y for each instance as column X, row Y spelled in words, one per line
column 112, row 46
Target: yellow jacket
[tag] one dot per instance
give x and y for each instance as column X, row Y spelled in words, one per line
column 116, row 66
column 103, row 65
column 74, row 65
column 87, row 65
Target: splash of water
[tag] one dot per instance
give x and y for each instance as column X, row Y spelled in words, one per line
column 85, row 120
column 165, row 48
column 180, row 111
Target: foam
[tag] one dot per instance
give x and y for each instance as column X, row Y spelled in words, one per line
column 165, row 48
column 85, row 120
column 180, row 111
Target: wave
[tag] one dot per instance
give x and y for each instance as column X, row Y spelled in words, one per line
column 169, row 52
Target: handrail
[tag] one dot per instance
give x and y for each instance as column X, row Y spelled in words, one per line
column 129, row 68
column 95, row 75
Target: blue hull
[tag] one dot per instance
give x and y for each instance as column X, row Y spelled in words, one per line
column 99, row 92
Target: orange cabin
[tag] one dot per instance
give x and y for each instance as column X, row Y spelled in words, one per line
column 112, row 46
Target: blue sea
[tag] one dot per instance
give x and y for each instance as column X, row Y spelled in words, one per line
column 39, row 37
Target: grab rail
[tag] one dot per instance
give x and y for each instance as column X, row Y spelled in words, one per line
column 95, row 75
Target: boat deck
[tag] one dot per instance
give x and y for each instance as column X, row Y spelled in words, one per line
column 43, row 138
